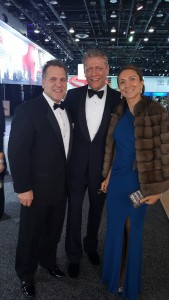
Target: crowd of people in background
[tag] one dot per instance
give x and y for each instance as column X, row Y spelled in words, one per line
column 109, row 143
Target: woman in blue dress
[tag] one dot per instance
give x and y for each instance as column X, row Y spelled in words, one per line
column 136, row 158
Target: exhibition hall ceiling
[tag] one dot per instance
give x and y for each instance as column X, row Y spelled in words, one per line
column 67, row 28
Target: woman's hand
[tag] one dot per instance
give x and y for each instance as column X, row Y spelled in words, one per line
column 104, row 185
column 150, row 199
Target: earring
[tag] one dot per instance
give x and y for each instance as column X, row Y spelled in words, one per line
column 121, row 96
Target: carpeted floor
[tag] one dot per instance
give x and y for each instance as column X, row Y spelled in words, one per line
column 88, row 286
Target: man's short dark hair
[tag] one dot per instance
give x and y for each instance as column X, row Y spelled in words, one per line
column 95, row 53
column 54, row 63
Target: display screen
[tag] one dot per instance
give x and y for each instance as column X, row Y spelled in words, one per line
column 21, row 60
column 151, row 94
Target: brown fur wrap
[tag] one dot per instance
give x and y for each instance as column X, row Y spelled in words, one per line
column 151, row 144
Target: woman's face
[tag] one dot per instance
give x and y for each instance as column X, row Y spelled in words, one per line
column 130, row 85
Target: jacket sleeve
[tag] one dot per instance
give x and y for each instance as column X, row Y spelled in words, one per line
column 152, row 150
column 19, row 150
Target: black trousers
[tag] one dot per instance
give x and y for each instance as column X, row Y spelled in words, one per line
column 73, row 244
column 39, row 233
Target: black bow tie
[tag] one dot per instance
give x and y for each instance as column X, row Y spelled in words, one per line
column 91, row 93
column 60, row 105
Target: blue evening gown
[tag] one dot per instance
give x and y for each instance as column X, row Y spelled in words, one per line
column 123, row 181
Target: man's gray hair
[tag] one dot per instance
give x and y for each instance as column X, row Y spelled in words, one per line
column 95, row 53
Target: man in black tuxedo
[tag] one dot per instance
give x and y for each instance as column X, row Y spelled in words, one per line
column 90, row 112
column 39, row 148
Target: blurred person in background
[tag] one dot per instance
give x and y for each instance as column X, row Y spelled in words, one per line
column 2, row 160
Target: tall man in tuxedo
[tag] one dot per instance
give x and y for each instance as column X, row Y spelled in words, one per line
column 39, row 148
column 91, row 107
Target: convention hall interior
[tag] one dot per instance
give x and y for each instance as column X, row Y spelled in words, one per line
column 129, row 32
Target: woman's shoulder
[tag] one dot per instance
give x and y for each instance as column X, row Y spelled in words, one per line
column 149, row 106
column 156, row 105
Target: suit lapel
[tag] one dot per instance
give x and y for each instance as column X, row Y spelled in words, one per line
column 54, row 123
column 82, row 113
column 106, row 116
column 71, row 134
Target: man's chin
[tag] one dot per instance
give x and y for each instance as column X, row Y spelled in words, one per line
column 57, row 100
column 95, row 87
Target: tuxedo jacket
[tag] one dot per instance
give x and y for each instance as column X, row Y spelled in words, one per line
column 88, row 155
column 36, row 152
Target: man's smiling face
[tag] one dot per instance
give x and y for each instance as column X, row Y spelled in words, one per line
column 54, row 83
column 96, row 72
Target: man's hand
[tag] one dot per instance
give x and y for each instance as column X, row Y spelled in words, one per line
column 26, row 198
column 2, row 167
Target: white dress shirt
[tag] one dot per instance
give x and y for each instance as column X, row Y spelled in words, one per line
column 63, row 122
column 94, row 111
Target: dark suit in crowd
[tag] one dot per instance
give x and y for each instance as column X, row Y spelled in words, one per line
column 2, row 159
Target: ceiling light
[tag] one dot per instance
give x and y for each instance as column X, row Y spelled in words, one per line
column 71, row 30
column 77, row 40
column 113, row 39
column 22, row 17
column 36, row 30
column 113, row 29
column 113, row 1
column 130, row 38
column 7, row 3
column 159, row 14
column 113, row 14
column 139, row 6
column 62, row 16
column 47, row 39
column 151, row 29
column 146, row 39
column 132, row 31
column 82, row 35
column 53, row 2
